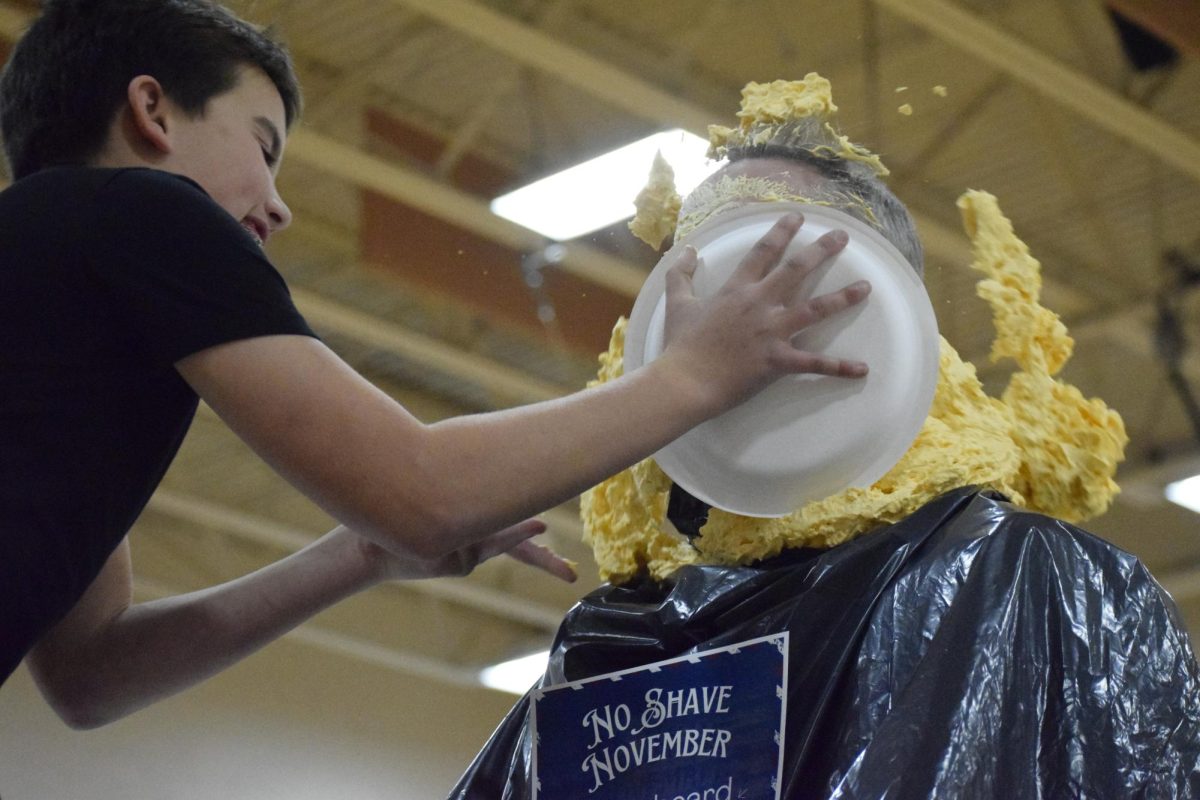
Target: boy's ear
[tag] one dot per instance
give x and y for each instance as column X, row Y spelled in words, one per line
column 150, row 112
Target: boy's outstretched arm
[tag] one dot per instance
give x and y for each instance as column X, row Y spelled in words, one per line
column 108, row 658
column 424, row 498
column 426, row 490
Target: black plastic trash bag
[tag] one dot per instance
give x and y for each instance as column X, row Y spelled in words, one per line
column 974, row 650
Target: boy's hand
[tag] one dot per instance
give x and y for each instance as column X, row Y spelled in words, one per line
column 513, row 541
column 736, row 342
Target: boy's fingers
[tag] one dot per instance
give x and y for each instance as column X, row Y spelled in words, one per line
column 505, row 540
column 514, row 541
column 768, row 250
column 789, row 359
column 823, row 306
column 544, row 559
column 791, row 275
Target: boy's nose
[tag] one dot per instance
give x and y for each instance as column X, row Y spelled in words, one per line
column 278, row 213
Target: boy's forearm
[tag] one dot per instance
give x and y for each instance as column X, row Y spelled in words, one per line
column 153, row 650
column 580, row 440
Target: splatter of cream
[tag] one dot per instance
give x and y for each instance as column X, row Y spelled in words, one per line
column 657, row 205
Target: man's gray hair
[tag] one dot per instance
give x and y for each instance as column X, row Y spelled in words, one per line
column 812, row 141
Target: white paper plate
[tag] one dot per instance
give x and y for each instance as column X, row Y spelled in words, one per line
column 805, row 437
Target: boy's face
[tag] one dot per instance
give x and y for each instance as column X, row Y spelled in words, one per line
column 233, row 150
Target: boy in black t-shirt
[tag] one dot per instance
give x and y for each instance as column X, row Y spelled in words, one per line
column 144, row 138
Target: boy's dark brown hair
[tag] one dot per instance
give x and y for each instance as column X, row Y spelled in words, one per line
column 68, row 75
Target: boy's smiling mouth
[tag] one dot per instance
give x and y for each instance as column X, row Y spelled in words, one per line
column 256, row 229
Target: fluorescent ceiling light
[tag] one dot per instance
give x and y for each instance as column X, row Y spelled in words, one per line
column 599, row 192
column 1185, row 492
column 517, row 675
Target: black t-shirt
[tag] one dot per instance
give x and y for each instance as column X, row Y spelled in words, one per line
column 107, row 278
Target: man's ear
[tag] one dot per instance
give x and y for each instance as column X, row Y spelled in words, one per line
column 150, row 112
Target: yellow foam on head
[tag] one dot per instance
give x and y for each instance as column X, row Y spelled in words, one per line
column 849, row 151
column 767, row 107
column 782, row 101
column 1042, row 443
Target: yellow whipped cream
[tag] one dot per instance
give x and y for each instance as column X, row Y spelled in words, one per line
column 657, row 205
column 1070, row 445
column 623, row 516
column 849, row 151
column 768, row 106
column 1041, row 443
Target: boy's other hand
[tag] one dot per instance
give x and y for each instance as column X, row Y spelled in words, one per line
column 515, row 541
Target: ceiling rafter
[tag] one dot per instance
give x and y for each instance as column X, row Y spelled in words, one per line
column 532, row 47
column 1041, row 73
column 1077, row 179
column 468, row 133
column 459, row 208
column 536, row 49
column 510, row 385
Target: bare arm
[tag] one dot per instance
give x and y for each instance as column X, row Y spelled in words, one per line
column 427, row 490
column 108, row 658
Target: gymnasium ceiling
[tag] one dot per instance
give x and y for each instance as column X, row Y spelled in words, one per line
column 419, row 111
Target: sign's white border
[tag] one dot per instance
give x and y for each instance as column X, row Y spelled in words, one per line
column 780, row 639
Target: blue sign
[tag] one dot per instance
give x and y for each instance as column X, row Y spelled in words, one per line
column 705, row 726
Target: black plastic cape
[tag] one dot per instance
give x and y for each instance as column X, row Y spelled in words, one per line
column 973, row 650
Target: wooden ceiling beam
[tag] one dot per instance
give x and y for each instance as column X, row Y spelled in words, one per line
column 534, row 48
column 510, row 384
column 1174, row 21
column 13, row 21
column 458, row 208
column 1041, row 73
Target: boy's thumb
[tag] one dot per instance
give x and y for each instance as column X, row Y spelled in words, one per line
column 679, row 276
